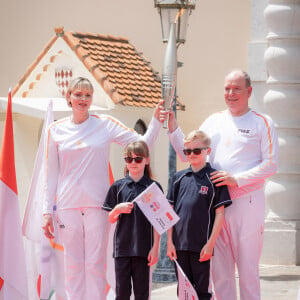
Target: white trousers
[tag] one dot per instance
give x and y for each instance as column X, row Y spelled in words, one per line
column 239, row 244
column 84, row 235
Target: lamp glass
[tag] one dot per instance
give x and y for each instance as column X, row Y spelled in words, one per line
column 168, row 16
column 182, row 25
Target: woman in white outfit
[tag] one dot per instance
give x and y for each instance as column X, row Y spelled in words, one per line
column 77, row 180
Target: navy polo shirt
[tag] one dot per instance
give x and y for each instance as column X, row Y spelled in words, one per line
column 133, row 234
column 195, row 199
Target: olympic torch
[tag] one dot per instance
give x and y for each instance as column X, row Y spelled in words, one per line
column 169, row 73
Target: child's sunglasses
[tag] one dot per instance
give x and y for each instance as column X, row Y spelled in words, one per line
column 137, row 159
column 196, row 151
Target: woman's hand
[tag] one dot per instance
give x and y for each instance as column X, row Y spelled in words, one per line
column 159, row 113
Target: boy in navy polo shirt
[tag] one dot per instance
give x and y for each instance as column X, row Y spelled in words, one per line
column 200, row 206
column 136, row 243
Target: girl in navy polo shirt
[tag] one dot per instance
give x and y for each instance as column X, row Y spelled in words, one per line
column 136, row 243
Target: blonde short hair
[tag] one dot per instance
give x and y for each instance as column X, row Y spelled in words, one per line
column 197, row 135
column 78, row 82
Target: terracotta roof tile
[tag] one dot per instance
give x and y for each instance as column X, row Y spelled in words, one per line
column 123, row 72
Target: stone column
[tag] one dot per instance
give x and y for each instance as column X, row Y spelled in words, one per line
column 256, row 50
column 282, row 103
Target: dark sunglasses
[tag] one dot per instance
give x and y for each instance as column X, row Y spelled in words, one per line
column 196, row 151
column 137, row 159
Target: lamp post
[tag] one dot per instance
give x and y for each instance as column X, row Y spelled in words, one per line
column 178, row 12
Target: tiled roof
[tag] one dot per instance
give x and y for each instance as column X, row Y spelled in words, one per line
column 122, row 71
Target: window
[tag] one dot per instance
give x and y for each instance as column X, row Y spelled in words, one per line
column 140, row 127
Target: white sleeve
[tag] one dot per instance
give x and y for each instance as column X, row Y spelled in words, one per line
column 51, row 174
column 269, row 154
column 152, row 132
column 176, row 139
column 123, row 135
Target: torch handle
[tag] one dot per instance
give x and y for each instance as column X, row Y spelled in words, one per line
column 165, row 123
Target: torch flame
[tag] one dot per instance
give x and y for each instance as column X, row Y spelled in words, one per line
column 179, row 14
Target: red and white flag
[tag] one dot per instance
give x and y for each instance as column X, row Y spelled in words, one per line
column 13, row 280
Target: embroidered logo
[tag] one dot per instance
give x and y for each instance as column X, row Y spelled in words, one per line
column 80, row 145
column 203, row 190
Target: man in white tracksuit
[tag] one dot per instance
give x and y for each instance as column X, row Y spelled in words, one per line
column 245, row 151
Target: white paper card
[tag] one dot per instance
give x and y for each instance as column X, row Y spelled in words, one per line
column 156, row 208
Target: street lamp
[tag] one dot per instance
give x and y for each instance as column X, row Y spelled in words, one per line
column 174, row 15
column 168, row 11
